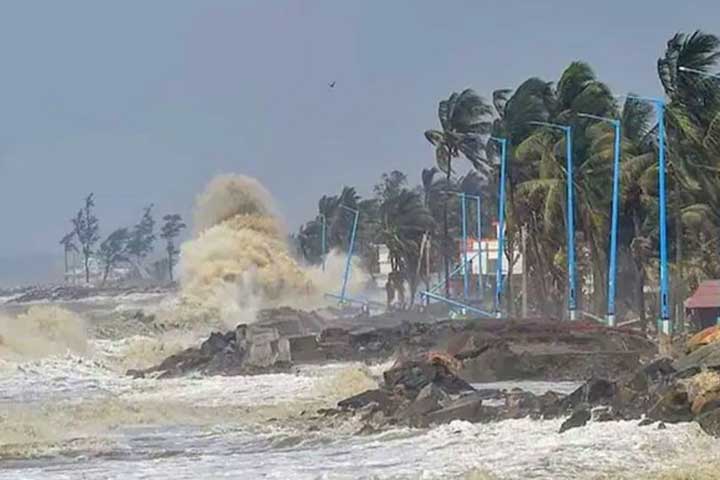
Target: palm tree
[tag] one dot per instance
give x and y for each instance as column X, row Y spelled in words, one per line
column 464, row 118
column 531, row 101
column 403, row 222
column 638, row 199
column 693, row 124
column 577, row 91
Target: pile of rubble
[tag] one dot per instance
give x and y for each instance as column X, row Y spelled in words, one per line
column 429, row 390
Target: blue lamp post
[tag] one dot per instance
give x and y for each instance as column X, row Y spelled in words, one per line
column 664, row 279
column 501, row 225
column 572, row 294
column 612, row 269
column 350, row 251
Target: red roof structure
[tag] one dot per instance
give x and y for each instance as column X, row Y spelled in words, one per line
column 707, row 295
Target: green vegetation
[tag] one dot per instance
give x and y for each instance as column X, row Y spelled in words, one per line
column 536, row 184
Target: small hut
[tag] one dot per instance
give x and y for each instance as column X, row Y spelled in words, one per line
column 703, row 307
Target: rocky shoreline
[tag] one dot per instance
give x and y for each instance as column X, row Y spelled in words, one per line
column 438, row 363
column 428, row 391
column 489, row 350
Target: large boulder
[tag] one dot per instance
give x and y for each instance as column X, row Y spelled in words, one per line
column 579, row 418
column 265, row 346
column 707, row 356
column 672, row 407
column 468, row 408
column 596, row 391
column 384, row 399
column 431, row 398
column 414, row 375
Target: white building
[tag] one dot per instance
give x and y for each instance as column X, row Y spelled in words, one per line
column 489, row 258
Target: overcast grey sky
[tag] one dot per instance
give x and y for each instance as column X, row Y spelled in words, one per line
column 144, row 101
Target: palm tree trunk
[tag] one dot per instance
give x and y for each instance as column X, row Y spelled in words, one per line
column 446, row 234
column 106, row 273
column 170, row 266
column 87, row 267
column 679, row 282
column 523, row 240
column 510, row 245
column 641, row 277
column 66, row 265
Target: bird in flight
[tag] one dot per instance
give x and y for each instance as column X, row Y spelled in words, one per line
column 332, row 84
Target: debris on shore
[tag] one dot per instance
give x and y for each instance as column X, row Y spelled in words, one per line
column 489, row 350
column 437, row 364
column 416, row 393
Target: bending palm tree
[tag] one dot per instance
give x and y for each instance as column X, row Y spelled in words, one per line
column 404, row 221
column 464, row 119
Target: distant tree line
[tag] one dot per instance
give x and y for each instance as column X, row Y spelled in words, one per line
column 124, row 246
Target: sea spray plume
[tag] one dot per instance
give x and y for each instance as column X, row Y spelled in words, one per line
column 41, row 332
column 239, row 257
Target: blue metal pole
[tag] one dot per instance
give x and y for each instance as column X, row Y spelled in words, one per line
column 454, row 303
column 664, row 287
column 464, row 239
column 350, row 253
column 452, row 273
column 572, row 299
column 324, row 240
column 612, row 273
column 501, row 227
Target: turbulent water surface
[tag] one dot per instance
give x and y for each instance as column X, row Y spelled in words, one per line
column 76, row 415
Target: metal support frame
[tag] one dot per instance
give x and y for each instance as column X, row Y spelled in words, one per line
column 457, row 304
column 346, row 274
column 438, row 285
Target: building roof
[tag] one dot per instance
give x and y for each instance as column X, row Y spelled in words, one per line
column 707, row 295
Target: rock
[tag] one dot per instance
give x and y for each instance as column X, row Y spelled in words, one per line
column 520, row 404
column 662, row 426
column 245, row 350
column 468, row 408
column 491, row 362
column 603, row 414
column 673, row 406
column 702, row 389
column 430, row 398
column 596, row 391
column 414, row 375
column 290, row 322
column 305, row 349
column 579, row 418
column 710, row 422
column 646, row 422
column 658, row 371
column 382, row 398
column 215, row 343
column 707, row 356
